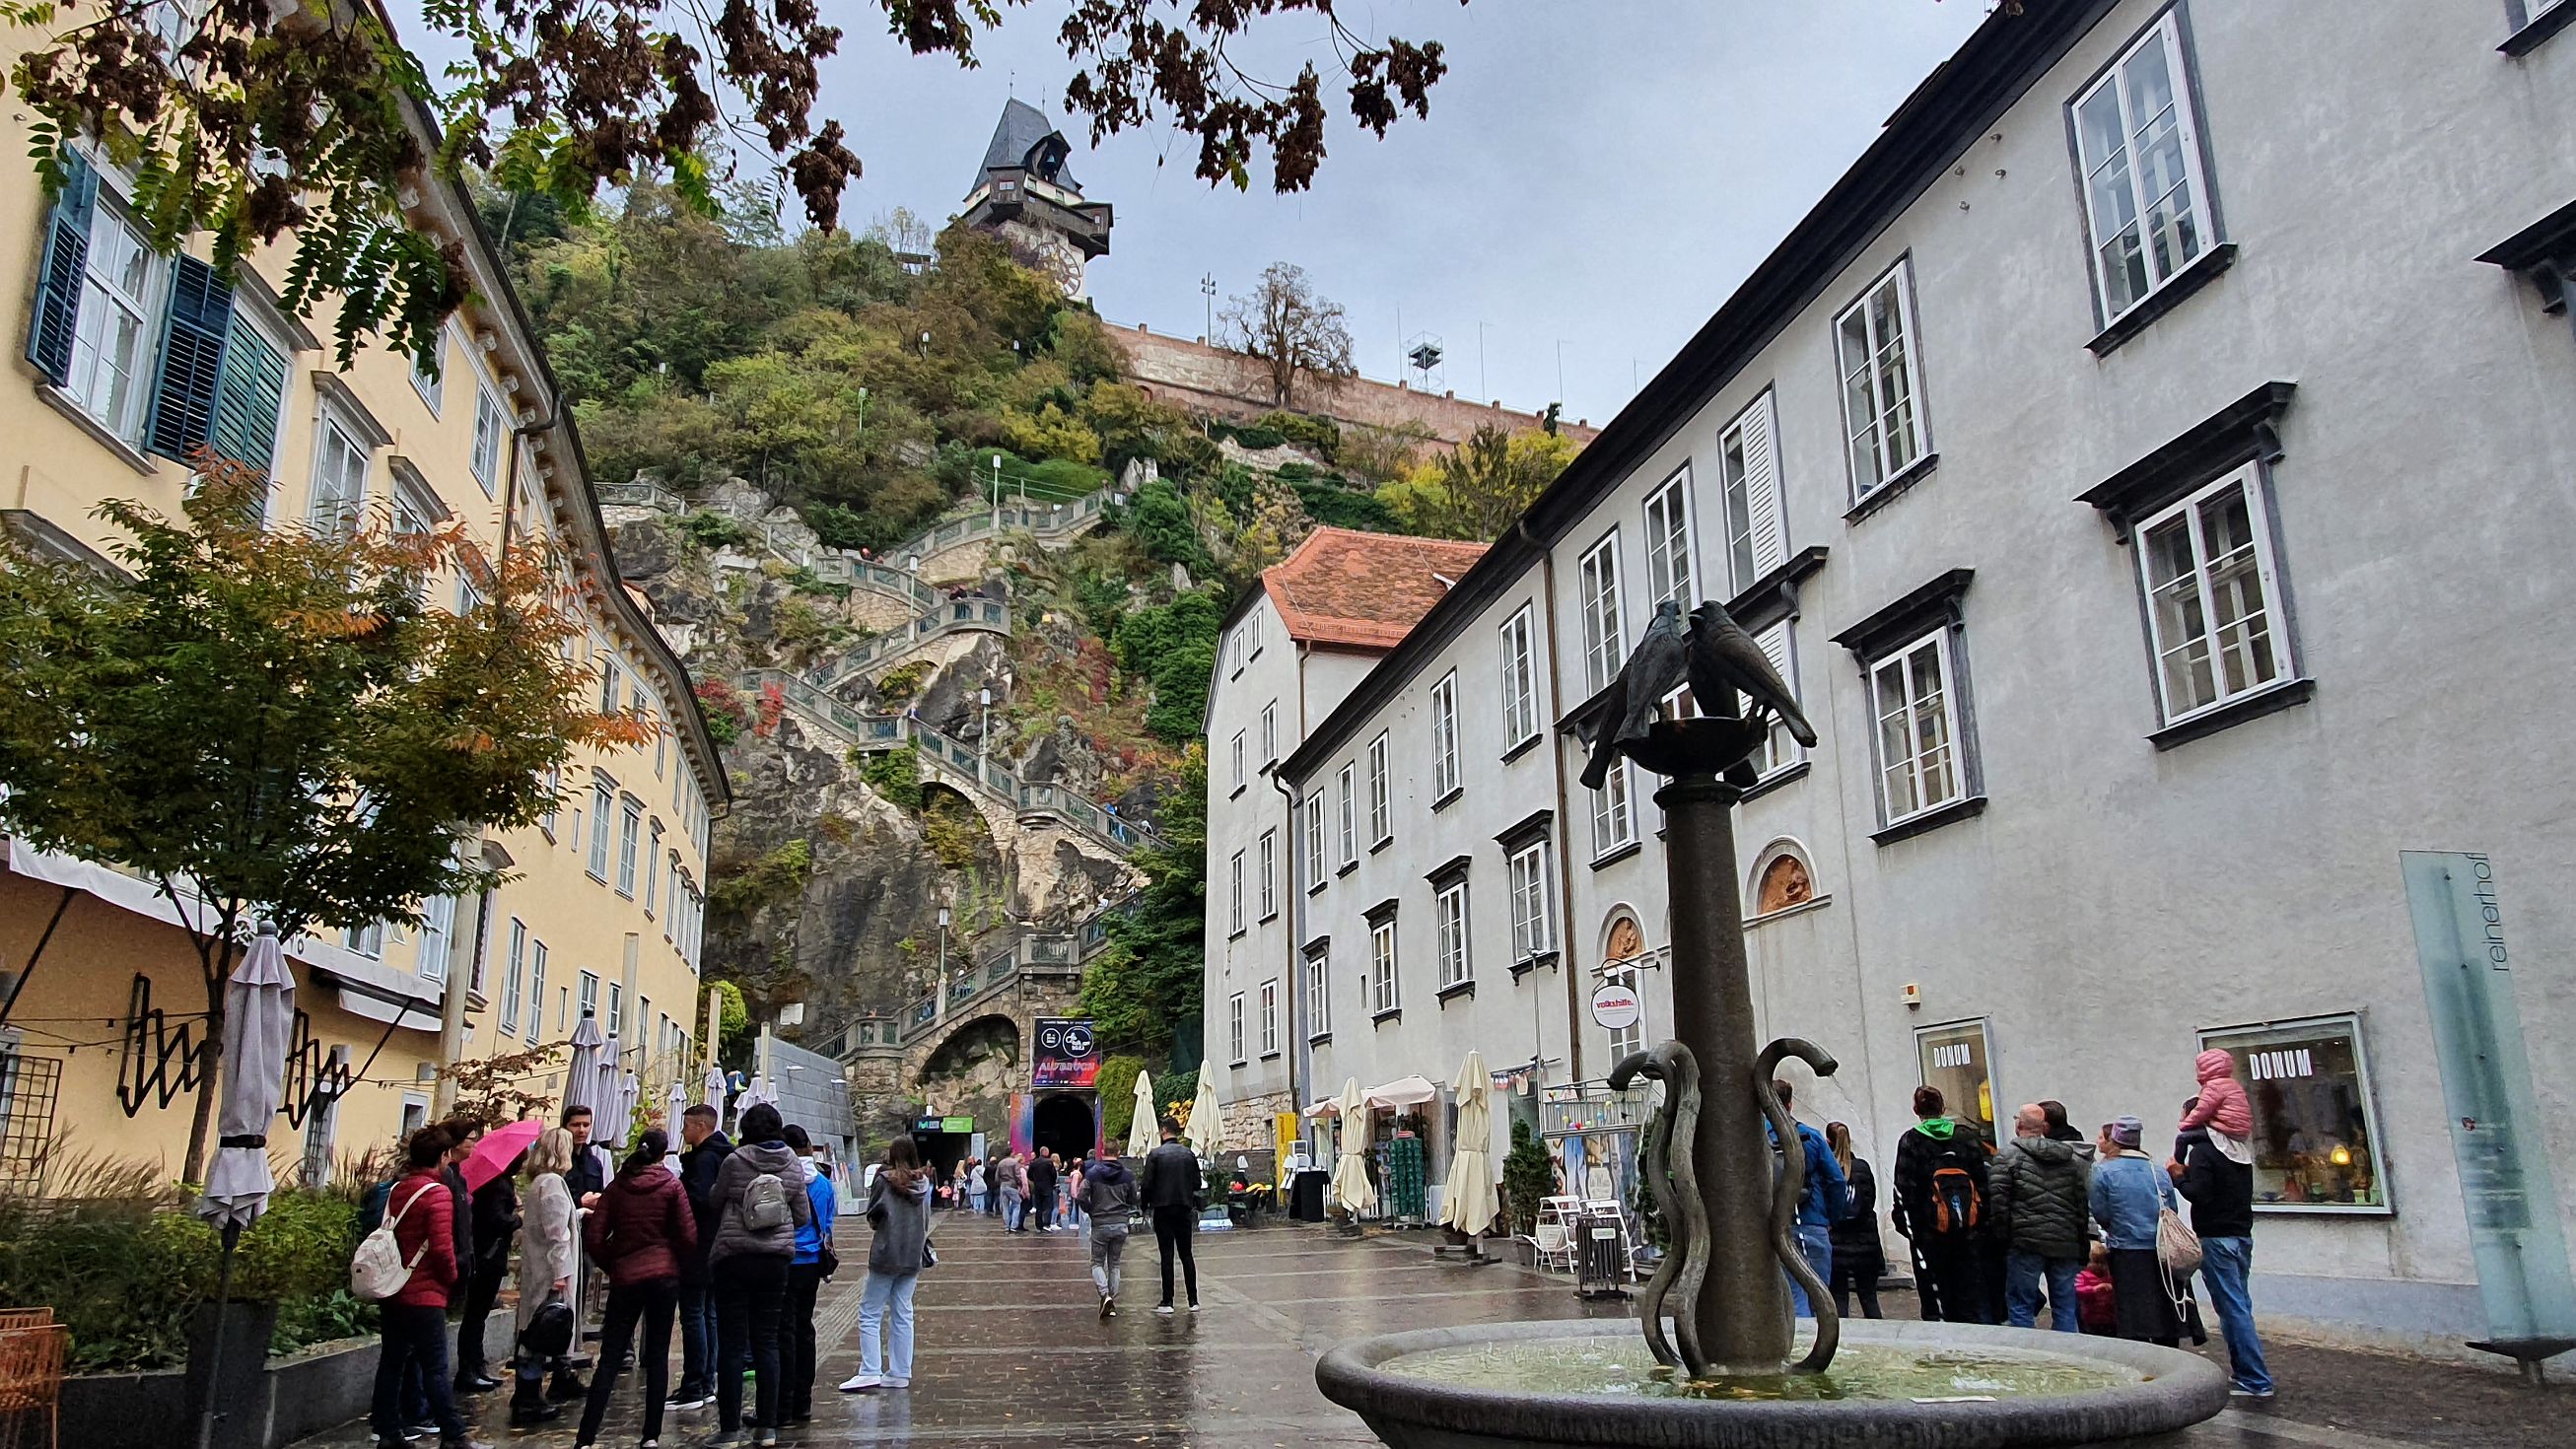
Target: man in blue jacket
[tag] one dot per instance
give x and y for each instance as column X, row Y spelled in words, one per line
column 1825, row 1199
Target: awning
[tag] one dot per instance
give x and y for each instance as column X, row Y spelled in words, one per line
column 1402, row 1092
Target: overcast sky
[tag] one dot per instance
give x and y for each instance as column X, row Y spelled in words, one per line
column 1598, row 173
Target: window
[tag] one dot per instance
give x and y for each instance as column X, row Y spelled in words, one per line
column 1449, row 912
column 1605, row 644
column 367, row 940
column 1627, row 943
column 2316, row 1139
column 1874, row 353
column 1350, row 819
column 1234, row 894
column 1235, row 753
column 607, row 683
column 1269, row 874
column 590, row 993
column 1533, row 930
column 629, row 823
column 1234, row 654
column 1270, row 1018
column 1778, row 750
column 491, row 430
column 536, row 990
column 437, row 928
column 1614, row 824
column 1270, row 734
column 652, row 877
column 1668, row 545
column 516, row 981
column 1383, row 994
column 671, row 894
column 1918, row 728
column 121, row 287
column 1520, row 684
column 1314, row 839
column 1381, row 805
column 554, row 801
column 1958, row 1060
column 1252, row 627
column 1748, row 471
column 2206, row 566
column 429, row 378
column 1319, row 1008
column 1234, row 1028
column 2146, row 203
column 1444, row 737
column 616, row 1010
column 603, row 798
column 339, row 474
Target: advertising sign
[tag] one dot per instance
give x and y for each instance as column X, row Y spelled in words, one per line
column 1615, row 1005
column 1067, row 1055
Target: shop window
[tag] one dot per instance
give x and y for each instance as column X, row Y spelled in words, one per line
column 2316, row 1138
column 1958, row 1059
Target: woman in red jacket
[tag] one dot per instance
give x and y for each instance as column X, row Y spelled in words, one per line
column 423, row 1215
column 640, row 1233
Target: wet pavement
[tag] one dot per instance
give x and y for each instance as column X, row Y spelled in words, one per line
column 1012, row 1350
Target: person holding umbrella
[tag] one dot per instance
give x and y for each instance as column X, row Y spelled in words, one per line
column 491, row 1172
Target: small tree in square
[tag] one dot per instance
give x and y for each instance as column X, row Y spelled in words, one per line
column 276, row 723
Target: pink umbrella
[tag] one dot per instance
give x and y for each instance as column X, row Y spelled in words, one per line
column 499, row 1148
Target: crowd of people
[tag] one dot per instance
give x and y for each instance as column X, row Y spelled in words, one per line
column 2095, row 1231
column 1101, row 1197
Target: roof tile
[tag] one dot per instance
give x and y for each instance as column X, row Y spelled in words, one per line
column 1363, row 590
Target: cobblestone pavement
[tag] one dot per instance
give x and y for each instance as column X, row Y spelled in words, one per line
column 1012, row 1351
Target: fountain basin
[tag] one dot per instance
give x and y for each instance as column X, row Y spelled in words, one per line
column 2078, row 1390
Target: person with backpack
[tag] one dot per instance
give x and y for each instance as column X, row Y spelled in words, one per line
column 2128, row 1197
column 708, row 1148
column 760, row 1192
column 1824, row 1198
column 1042, row 1178
column 408, row 1263
column 812, row 1262
column 1109, row 1197
column 639, row 1234
column 1939, row 1207
column 898, row 1249
column 2041, row 1193
column 545, row 1277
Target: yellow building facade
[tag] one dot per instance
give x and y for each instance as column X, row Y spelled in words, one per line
column 118, row 359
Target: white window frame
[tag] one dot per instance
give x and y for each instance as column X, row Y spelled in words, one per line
column 630, row 828
column 615, row 1023
column 146, row 308
column 536, row 991
column 1234, row 894
column 1235, row 753
column 1449, row 916
column 1753, row 528
column 2249, row 481
column 1672, row 552
column 1605, row 627
column 437, row 935
column 516, row 981
column 1955, row 778
column 1270, row 1017
column 334, row 512
column 652, row 856
column 1319, row 992
column 1381, row 810
column 1519, row 679
column 1633, row 1037
column 1350, row 815
column 432, row 385
column 1270, row 734
column 491, row 436
column 2165, row 37
column 1866, row 373
column 1533, row 912
column 1234, row 1028
column 588, row 1000
column 1614, row 813
column 603, row 799
column 554, row 801
column 1386, row 985
column 367, row 940
column 1269, row 849
column 1315, row 872
column 1446, row 775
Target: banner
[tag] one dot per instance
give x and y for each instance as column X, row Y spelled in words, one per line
column 2506, row 1186
column 1067, row 1055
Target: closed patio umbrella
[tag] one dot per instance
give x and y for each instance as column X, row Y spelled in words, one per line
column 1140, row 1132
column 259, row 1017
column 712, row 1090
column 1469, row 1202
column 1350, row 1170
column 1207, row 1119
column 603, row 1094
column 581, row 1074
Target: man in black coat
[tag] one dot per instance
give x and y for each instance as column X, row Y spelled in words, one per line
column 496, row 1223
column 1938, row 1201
column 1042, row 1175
column 708, row 1147
column 2040, row 1215
column 1170, row 1193
column 2221, row 1192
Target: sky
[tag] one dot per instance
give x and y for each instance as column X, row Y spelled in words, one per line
column 1594, row 178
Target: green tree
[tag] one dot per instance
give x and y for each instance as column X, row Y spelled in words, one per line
column 270, row 723
column 1527, row 1177
column 1150, row 974
column 1476, row 491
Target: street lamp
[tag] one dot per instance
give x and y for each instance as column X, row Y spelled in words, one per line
column 997, row 492
column 1207, row 289
column 984, row 727
column 939, row 1007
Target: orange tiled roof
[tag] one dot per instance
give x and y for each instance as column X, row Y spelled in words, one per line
column 1363, row 590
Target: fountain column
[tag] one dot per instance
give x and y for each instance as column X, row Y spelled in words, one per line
column 1744, row 1314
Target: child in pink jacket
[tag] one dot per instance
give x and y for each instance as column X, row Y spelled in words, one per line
column 2223, row 1103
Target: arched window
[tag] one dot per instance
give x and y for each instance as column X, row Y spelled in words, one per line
column 1624, row 943
column 1782, row 880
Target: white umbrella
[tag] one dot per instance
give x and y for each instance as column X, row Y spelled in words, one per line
column 1140, row 1131
column 713, row 1089
column 1350, row 1171
column 1469, row 1202
column 1207, row 1119
column 581, row 1074
column 1401, row 1093
column 674, row 1107
column 259, row 1017
column 603, row 1099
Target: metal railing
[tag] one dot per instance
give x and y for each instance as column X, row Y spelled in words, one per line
column 952, row 616
column 1048, row 955
column 640, row 493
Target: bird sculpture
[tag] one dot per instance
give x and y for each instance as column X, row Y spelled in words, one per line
column 1655, row 668
column 1724, row 661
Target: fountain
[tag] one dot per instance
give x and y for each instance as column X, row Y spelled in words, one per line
column 1722, row 1377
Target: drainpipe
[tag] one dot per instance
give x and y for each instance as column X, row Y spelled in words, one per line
column 1296, row 913
column 1565, row 821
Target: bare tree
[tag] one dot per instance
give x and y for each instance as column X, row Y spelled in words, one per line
column 1291, row 331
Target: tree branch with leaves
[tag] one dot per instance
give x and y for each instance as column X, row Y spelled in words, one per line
column 1293, row 332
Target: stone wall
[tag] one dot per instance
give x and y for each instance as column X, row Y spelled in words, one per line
column 1191, row 374
column 1248, row 1133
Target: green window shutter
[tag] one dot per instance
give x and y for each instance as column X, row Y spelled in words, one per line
column 248, row 397
column 192, row 359
column 58, row 284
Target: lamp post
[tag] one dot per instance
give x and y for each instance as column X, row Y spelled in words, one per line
column 997, row 492
column 939, row 1004
column 983, row 726
column 1207, row 289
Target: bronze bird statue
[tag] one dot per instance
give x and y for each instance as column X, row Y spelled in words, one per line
column 1724, row 661
column 1654, row 669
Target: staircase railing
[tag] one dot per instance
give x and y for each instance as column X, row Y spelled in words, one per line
column 951, row 616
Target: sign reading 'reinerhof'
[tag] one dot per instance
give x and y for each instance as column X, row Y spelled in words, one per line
column 2506, row 1186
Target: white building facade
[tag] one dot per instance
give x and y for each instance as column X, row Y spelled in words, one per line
column 2076, row 461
